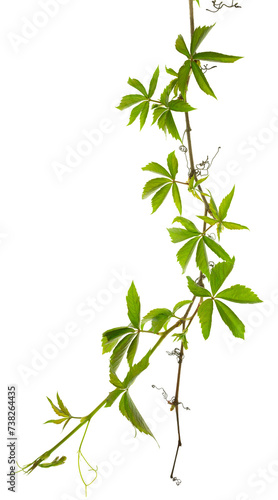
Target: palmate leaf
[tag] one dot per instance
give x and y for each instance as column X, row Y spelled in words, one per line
column 61, row 410
column 138, row 86
column 185, row 253
column 216, row 248
column 216, row 57
column 181, row 106
column 137, row 110
column 129, row 410
column 144, row 114
column 170, row 71
column 202, row 258
column 158, row 317
column 205, row 317
column 230, row 319
column 132, row 350
column 201, row 80
column 181, row 46
column 183, row 76
column 176, row 197
column 152, row 186
column 119, row 352
column 133, row 305
column 112, row 396
column 160, row 196
column 180, row 304
column 188, row 224
column 177, row 234
column 225, row 204
column 197, row 290
column 219, row 274
column 198, row 37
column 239, row 294
column 136, row 370
column 130, row 100
column 173, row 165
column 111, row 337
column 153, row 82
column 157, row 169
column 233, row 225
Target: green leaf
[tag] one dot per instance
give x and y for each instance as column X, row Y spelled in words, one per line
column 199, row 35
column 205, row 316
column 133, row 305
column 136, row 370
column 176, row 197
column 157, row 169
column 136, row 112
column 132, row 350
column 173, row 165
column 144, row 114
column 119, row 352
column 57, row 461
column 58, row 411
column 62, row 406
column 171, row 126
column 201, row 80
column 179, row 105
column 239, row 294
column 219, row 274
column 181, row 46
column 197, row 290
column 188, row 224
column 129, row 410
column 152, row 186
column 216, row 57
column 197, row 2
column 231, row 319
column 159, row 111
column 232, row 225
column 225, row 204
column 160, row 196
column 202, row 258
column 208, row 220
column 153, row 82
column 183, row 78
column 58, row 421
column 177, row 234
column 170, row 71
column 112, row 396
column 185, row 253
column 216, row 248
column 111, row 337
column 166, row 94
column 138, row 86
column 130, row 100
column 180, row 304
column 158, row 317
column 114, row 380
column 213, row 207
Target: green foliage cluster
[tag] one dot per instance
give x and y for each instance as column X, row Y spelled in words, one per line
column 122, row 342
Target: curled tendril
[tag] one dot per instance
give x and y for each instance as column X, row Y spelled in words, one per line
column 177, row 481
column 173, row 402
column 202, row 169
column 176, row 352
column 212, row 236
column 211, row 264
column 220, row 5
column 205, row 68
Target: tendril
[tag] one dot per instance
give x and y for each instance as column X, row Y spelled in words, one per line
column 220, row 5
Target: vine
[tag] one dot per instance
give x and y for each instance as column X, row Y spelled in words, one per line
column 206, row 298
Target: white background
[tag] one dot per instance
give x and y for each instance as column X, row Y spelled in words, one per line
column 63, row 241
